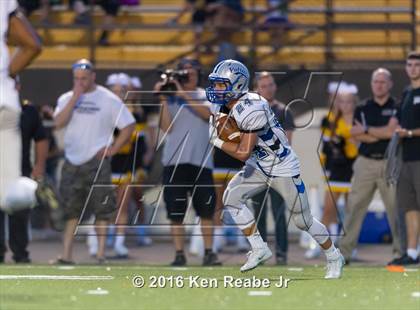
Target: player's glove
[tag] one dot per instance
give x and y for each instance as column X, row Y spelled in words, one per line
column 214, row 139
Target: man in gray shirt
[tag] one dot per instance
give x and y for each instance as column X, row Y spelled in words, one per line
column 186, row 159
column 89, row 113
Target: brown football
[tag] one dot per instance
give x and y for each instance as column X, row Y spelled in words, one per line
column 227, row 129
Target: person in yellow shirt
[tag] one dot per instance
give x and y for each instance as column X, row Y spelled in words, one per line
column 339, row 150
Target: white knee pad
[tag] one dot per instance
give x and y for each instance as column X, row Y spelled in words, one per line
column 318, row 231
column 241, row 215
column 234, row 196
column 301, row 214
column 303, row 220
column 229, row 198
column 315, row 228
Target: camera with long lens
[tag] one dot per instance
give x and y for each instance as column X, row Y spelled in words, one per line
column 168, row 76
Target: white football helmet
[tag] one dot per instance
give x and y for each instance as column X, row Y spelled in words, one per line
column 234, row 75
column 20, row 194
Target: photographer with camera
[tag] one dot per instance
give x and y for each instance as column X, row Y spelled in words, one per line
column 187, row 166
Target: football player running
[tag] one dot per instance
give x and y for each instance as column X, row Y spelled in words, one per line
column 269, row 162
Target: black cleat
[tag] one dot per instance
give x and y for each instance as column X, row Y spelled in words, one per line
column 60, row 261
column 281, row 260
column 179, row 260
column 403, row 260
column 210, row 259
column 23, row 260
column 101, row 260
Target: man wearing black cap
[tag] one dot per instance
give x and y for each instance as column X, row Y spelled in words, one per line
column 89, row 113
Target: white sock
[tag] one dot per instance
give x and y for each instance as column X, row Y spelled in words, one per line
column 333, row 229
column 119, row 241
column 91, row 238
column 412, row 253
column 256, row 241
column 331, row 253
column 218, row 239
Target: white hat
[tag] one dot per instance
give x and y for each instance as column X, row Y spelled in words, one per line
column 332, row 87
column 342, row 88
column 136, row 82
column 124, row 79
column 118, row 79
column 352, row 89
column 112, row 79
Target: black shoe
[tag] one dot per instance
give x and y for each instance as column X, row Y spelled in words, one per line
column 403, row 260
column 210, row 259
column 101, row 260
column 281, row 260
column 23, row 260
column 60, row 261
column 118, row 257
column 180, row 260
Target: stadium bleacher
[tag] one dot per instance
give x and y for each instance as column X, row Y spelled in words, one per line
column 375, row 30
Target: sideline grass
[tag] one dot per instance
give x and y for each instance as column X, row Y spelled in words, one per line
column 360, row 288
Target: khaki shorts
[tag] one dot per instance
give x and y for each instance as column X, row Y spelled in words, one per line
column 81, row 192
column 408, row 186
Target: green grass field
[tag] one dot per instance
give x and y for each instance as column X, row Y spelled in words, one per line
column 32, row 287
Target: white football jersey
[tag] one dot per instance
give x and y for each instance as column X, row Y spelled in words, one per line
column 8, row 94
column 272, row 154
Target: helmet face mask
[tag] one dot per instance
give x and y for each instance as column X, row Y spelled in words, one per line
column 234, row 75
column 219, row 96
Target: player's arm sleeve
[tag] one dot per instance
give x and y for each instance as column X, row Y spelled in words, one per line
column 253, row 122
column 122, row 117
column 12, row 7
column 39, row 132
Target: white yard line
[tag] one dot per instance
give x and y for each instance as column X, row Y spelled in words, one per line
column 295, row 269
column 260, row 293
column 98, row 291
column 415, row 294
